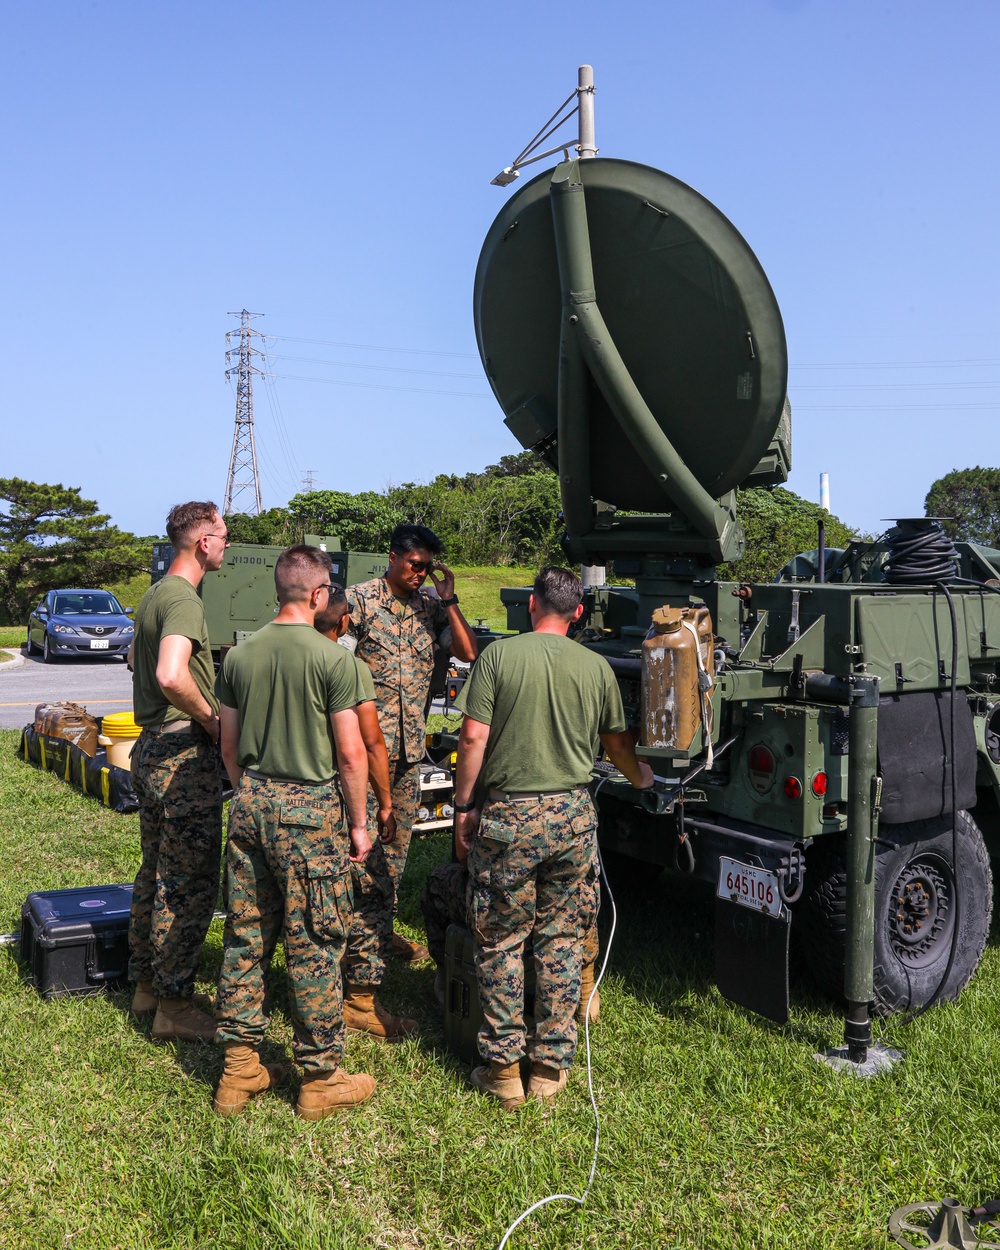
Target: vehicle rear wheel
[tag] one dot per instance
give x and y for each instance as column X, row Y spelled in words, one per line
column 921, row 897
column 48, row 655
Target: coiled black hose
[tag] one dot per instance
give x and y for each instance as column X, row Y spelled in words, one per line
column 920, row 552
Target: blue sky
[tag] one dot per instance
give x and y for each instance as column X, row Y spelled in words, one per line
column 328, row 165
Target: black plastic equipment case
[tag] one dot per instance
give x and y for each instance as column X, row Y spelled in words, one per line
column 463, row 1016
column 76, row 941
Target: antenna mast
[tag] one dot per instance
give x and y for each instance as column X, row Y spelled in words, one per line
column 244, row 477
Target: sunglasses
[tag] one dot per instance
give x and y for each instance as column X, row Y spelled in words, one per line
column 421, row 566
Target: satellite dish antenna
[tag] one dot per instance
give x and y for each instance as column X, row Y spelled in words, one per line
column 631, row 337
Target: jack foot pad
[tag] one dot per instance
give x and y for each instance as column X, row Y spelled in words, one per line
column 941, row 1225
column 881, row 1058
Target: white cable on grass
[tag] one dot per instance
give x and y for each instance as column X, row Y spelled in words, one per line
column 579, row 1201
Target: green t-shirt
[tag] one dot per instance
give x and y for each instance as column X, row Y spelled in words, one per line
column 546, row 699
column 171, row 606
column 286, row 681
column 365, row 683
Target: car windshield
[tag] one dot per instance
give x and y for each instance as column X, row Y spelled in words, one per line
column 87, row 603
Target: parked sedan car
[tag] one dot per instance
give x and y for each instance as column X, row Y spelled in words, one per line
column 79, row 622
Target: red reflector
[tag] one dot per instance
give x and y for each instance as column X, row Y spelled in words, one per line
column 819, row 784
column 793, row 787
column 760, row 760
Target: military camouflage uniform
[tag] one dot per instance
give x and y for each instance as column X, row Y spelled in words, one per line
column 177, row 782
column 288, row 870
column 399, row 651
column 533, row 875
column 369, row 943
column 445, row 901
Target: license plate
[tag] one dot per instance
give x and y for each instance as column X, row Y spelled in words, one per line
column 750, row 887
column 99, row 644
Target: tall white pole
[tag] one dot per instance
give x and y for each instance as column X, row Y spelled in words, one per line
column 824, row 491
column 587, row 147
column 590, row 574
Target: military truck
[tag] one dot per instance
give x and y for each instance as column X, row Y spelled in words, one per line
column 239, row 597
column 827, row 747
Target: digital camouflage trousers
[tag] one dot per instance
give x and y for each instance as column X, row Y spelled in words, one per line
column 533, row 878
column 287, row 867
column 376, row 883
column 177, row 782
column 445, row 901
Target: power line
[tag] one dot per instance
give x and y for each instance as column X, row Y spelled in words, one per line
column 372, row 347
column 902, row 364
column 377, row 386
column 347, row 364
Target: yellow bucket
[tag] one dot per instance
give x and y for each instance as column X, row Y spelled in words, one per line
column 118, row 734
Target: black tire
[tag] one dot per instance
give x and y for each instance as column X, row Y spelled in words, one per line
column 29, row 646
column 48, row 655
column 915, row 893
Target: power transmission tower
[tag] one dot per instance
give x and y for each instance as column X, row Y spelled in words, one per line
column 309, row 481
column 243, row 482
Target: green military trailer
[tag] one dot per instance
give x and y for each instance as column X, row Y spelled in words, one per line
column 239, row 597
column 827, row 747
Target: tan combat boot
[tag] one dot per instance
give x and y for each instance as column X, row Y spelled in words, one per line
column 586, row 988
column 363, row 1013
column 545, row 1082
column 412, row 952
column 501, row 1081
column 179, row 1020
column 243, row 1076
column 323, row 1093
column 145, row 1001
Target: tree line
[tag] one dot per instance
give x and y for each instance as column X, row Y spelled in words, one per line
column 507, row 514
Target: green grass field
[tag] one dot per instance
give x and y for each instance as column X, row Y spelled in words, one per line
column 719, row 1129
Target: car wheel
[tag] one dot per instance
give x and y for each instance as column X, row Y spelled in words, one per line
column 29, row 646
column 917, row 886
column 48, row 655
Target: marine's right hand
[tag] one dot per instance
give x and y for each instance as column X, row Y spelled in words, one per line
column 361, row 844
column 646, row 778
column 466, row 824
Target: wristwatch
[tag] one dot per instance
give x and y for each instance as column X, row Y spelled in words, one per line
column 450, row 603
column 463, row 807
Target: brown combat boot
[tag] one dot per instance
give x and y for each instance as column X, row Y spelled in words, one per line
column 243, row 1076
column 412, row 952
column 179, row 1020
column 545, row 1082
column 501, row 1081
column 145, row 1001
column 363, row 1013
column 326, row 1092
column 586, row 988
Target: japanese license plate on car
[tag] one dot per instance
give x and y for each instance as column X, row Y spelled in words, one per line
column 99, row 644
column 750, row 887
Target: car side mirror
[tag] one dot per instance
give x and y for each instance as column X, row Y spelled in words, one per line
column 43, row 611
column 129, row 611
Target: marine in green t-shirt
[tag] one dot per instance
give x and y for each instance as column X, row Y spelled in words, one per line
column 288, row 698
column 534, row 708
column 175, row 773
column 546, row 699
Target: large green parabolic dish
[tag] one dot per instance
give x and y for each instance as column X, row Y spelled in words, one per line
column 686, row 303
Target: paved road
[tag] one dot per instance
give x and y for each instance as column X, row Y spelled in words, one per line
column 100, row 685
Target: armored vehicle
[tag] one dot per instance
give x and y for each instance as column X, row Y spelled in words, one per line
column 827, row 747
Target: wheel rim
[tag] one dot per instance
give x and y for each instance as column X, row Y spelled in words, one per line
column 922, row 911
